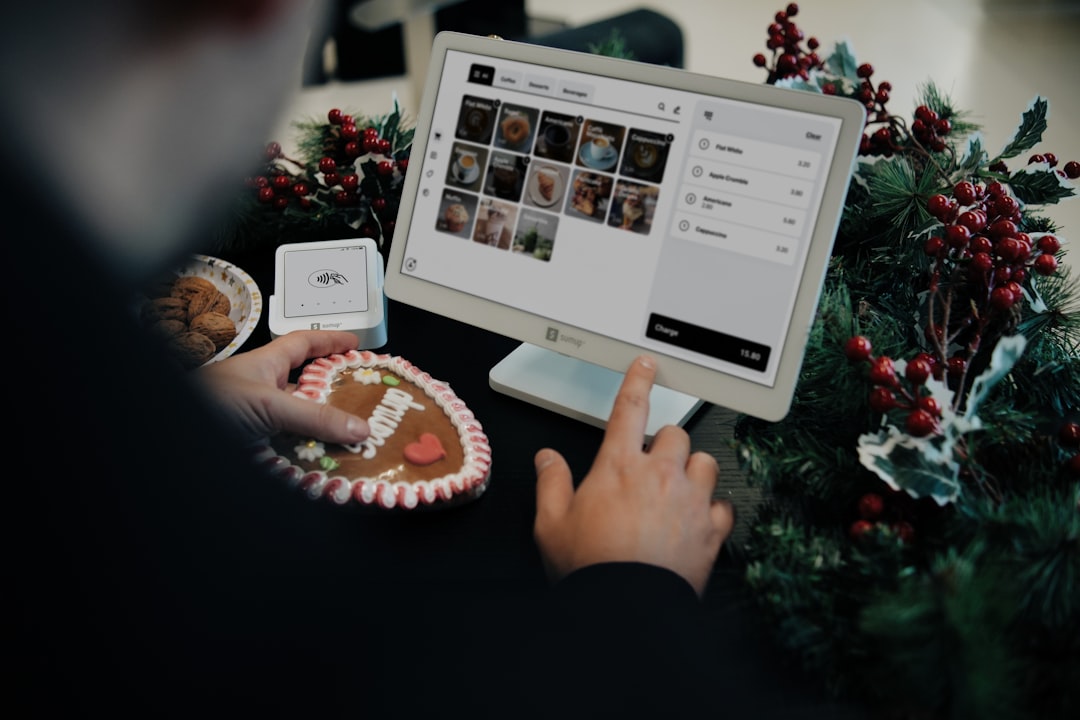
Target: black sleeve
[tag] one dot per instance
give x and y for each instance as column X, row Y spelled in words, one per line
column 620, row 640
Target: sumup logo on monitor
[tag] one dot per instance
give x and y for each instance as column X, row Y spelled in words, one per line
column 553, row 335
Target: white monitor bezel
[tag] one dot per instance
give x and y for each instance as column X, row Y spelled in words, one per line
column 738, row 394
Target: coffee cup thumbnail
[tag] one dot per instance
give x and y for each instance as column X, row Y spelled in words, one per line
column 599, row 148
column 556, row 136
column 466, row 166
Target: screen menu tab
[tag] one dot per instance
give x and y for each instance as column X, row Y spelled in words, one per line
column 670, row 220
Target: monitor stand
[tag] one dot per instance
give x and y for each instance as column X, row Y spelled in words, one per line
column 579, row 389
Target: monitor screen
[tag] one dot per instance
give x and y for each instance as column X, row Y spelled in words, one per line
column 625, row 208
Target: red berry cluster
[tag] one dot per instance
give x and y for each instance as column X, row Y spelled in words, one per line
column 789, row 58
column 921, row 411
column 339, row 178
column 980, row 229
column 1071, row 169
column 929, row 129
column 278, row 186
column 882, row 141
column 871, row 509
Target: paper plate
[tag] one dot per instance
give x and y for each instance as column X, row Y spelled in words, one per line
column 237, row 285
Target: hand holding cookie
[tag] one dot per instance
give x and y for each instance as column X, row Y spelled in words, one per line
column 254, row 388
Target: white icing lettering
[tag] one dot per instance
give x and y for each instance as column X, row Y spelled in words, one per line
column 384, row 420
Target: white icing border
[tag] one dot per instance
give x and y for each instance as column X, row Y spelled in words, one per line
column 471, row 481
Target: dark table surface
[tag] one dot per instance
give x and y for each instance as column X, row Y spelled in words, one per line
column 487, row 545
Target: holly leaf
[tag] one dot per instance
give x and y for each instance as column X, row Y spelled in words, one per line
column 916, row 465
column 390, row 125
column 927, row 227
column 1007, row 351
column 1032, row 126
column 1039, row 184
column 797, row 83
column 975, row 156
column 842, row 62
column 920, row 466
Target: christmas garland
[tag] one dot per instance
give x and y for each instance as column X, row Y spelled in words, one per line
column 345, row 182
column 919, row 548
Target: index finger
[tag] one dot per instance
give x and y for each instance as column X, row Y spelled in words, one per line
column 630, row 414
column 300, row 346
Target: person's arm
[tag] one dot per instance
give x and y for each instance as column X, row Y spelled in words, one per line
column 650, row 506
column 629, row 552
column 254, row 389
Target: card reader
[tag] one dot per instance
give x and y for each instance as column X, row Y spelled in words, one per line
column 330, row 285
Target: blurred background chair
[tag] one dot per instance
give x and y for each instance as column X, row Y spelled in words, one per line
column 369, row 39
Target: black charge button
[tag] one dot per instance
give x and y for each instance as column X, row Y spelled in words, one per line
column 715, row 344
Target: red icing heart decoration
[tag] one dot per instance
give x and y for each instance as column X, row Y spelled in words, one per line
column 425, row 451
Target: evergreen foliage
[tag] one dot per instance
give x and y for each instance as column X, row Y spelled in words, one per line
column 327, row 208
column 961, row 599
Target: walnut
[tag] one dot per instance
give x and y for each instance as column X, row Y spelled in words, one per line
column 166, row 308
column 207, row 301
column 192, row 349
column 222, row 304
column 169, row 328
column 219, row 328
column 188, row 285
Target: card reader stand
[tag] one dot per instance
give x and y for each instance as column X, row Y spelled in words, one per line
column 330, row 285
column 579, row 389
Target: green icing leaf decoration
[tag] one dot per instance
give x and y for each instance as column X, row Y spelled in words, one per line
column 1039, row 184
column 1032, row 126
column 390, row 380
column 842, row 62
column 328, row 463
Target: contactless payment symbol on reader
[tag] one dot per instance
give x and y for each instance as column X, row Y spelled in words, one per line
column 330, row 285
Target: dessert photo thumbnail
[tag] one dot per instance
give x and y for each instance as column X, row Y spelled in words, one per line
column 457, row 211
column 546, row 184
column 495, row 223
column 516, row 128
column 506, row 175
column 589, row 196
column 633, row 206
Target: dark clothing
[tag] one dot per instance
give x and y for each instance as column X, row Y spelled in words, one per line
column 154, row 570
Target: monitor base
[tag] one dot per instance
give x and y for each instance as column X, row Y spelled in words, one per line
column 579, row 389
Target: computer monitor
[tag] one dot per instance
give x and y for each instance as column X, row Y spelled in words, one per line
column 597, row 208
